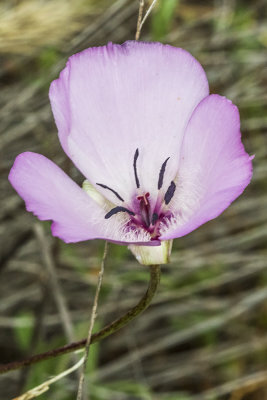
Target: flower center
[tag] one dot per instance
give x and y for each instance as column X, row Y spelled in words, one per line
column 140, row 213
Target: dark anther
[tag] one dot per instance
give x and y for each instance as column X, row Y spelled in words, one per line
column 155, row 217
column 161, row 173
column 113, row 191
column 116, row 210
column 136, row 154
column 170, row 192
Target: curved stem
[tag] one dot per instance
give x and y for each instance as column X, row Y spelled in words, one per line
column 106, row 331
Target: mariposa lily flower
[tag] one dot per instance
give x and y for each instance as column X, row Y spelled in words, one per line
column 160, row 155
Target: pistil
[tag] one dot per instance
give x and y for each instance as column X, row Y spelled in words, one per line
column 145, row 208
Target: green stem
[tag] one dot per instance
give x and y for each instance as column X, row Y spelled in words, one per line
column 106, row 331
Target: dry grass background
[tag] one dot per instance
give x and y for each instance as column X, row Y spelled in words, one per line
column 204, row 337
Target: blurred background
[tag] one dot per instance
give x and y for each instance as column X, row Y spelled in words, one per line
column 204, row 337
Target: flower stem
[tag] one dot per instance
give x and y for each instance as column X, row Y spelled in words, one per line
column 106, row 331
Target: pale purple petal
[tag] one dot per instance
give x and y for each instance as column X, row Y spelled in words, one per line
column 124, row 97
column 51, row 195
column 60, row 103
column 214, row 166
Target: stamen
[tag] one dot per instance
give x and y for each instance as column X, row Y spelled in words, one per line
column 116, row 210
column 155, row 217
column 161, row 173
column 170, row 192
column 113, row 191
column 136, row 154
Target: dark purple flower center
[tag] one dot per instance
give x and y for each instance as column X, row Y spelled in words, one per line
column 143, row 216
